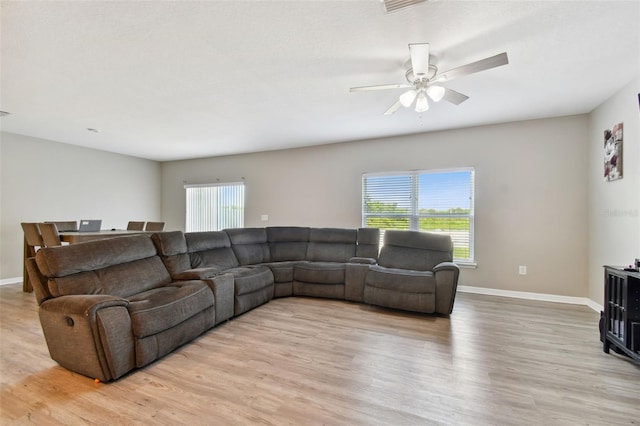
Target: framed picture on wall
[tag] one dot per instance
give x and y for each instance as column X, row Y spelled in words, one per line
column 613, row 153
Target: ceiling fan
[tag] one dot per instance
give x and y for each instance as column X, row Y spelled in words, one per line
column 423, row 79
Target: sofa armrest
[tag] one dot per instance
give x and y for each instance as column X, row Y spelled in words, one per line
column 354, row 279
column 89, row 334
column 446, row 266
column 363, row 260
column 223, row 294
column 82, row 304
column 446, row 275
column 197, row 273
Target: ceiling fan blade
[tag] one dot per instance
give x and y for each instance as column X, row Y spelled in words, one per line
column 419, row 59
column 454, row 97
column 393, row 108
column 380, row 87
column 474, row 67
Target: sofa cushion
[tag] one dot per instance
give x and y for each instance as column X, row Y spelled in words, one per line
column 170, row 243
column 199, row 273
column 253, row 286
column 282, row 271
column 248, row 279
column 210, row 249
column 61, row 261
column 415, row 250
column 401, row 280
column 245, row 302
column 412, row 302
column 150, row 348
column 287, row 243
column 119, row 266
column 222, row 258
column 331, row 244
column 368, row 242
column 159, row 309
column 172, row 247
column 200, row 241
column 319, row 272
column 249, row 245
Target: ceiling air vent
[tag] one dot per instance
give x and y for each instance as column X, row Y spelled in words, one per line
column 393, row 5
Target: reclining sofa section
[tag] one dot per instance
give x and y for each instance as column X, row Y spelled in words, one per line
column 109, row 306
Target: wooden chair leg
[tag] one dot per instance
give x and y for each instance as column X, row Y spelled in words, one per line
column 26, row 284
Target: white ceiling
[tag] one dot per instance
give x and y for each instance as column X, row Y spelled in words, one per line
column 183, row 79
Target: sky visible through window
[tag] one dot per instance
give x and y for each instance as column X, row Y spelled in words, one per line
column 444, row 191
column 440, row 191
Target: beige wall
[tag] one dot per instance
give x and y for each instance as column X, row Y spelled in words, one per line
column 531, row 193
column 534, row 182
column 614, row 207
column 45, row 180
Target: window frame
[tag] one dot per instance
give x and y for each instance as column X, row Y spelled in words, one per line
column 217, row 226
column 414, row 215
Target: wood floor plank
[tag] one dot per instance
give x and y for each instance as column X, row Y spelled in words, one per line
column 494, row 361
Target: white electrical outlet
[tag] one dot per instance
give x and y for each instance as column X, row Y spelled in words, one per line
column 264, row 217
column 522, row 270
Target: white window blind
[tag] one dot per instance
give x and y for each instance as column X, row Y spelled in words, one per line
column 213, row 207
column 439, row 201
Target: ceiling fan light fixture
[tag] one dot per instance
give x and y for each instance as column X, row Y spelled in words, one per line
column 422, row 104
column 407, row 98
column 436, row 93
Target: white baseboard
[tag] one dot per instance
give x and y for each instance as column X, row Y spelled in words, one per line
column 14, row 280
column 532, row 296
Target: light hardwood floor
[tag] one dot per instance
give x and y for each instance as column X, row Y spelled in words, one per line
column 497, row 361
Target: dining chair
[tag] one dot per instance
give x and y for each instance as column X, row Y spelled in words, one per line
column 64, row 226
column 32, row 243
column 50, row 235
column 154, row 226
column 135, row 226
column 32, row 237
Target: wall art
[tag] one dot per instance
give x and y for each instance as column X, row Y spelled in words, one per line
column 613, row 153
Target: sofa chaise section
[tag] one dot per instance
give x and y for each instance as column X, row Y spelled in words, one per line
column 415, row 273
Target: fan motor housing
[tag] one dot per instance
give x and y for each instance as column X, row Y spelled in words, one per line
column 412, row 79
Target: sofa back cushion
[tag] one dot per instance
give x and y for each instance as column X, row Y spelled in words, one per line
column 249, row 245
column 331, row 244
column 210, row 249
column 120, row 266
column 418, row 251
column 172, row 247
column 287, row 243
column 368, row 242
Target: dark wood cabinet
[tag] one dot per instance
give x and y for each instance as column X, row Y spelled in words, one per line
column 621, row 322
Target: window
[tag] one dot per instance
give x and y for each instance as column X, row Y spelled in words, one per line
column 433, row 201
column 212, row 207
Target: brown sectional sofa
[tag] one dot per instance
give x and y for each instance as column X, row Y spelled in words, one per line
column 113, row 305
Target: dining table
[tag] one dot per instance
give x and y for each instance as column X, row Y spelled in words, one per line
column 73, row 237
